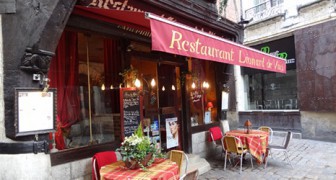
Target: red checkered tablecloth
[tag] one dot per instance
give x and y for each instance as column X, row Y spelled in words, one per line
column 166, row 170
column 256, row 141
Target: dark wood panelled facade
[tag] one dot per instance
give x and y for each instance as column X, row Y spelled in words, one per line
column 316, row 67
column 30, row 27
column 38, row 25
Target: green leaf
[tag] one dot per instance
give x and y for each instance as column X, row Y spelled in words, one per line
column 139, row 131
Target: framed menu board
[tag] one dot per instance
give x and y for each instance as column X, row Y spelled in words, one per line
column 130, row 111
column 35, row 111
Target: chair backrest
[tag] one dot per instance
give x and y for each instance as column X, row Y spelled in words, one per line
column 101, row 159
column 177, row 156
column 231, row 144
column 191, row 175
column 289, row 137
column 215, row 134
column 225, row 126
column 269, row 130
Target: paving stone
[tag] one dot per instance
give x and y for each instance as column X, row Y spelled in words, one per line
column 310, row 159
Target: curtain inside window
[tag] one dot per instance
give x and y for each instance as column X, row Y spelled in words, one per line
column 63, row 75
column 112, row 67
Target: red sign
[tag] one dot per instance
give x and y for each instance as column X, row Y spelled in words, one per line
column 176, row 38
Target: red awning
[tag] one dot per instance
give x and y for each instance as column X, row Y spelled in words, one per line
column 176, row 38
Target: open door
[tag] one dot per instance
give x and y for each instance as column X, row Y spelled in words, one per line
column 161, row 102
column 169, row 105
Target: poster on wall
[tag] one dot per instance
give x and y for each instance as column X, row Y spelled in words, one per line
column 172, row 130
column 35, row 111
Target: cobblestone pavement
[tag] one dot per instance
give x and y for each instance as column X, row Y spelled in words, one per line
column 310, row 159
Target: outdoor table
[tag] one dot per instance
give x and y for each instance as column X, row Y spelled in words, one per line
column 164, row 170
column 256, row 142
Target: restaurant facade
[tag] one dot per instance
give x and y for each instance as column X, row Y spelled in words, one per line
column 80, row 76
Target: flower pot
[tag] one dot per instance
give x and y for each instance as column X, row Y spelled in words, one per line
column 133, row 164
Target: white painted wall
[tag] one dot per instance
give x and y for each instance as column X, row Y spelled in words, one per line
column 307, row 14
column 240, row 89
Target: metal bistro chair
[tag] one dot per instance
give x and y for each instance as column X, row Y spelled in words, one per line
column 101, row 159
column 282, row 148
column 177, row 156
column 191, row 175
column 216, row 136
column 270, row 132
column 233, row 146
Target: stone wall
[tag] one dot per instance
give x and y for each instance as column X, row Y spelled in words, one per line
column 38, row 167
column 200, row 143
column 233, row 119
column 319, row 125
column 201, row 146
column 279, row 27
column 25, row 166
column 74, row 170
column 2, row 128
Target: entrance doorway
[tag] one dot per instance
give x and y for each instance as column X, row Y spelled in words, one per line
column 162, row 102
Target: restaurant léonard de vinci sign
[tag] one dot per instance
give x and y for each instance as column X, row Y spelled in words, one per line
column 189, row 42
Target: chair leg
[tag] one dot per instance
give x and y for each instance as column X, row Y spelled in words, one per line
column 251, row 161
column 241, row 163
column 288, row 160
column 267, row 155
column 225, row 161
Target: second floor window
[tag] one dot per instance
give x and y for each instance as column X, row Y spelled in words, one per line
column 276, row 2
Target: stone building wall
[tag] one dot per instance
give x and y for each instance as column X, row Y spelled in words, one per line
column 317, row 124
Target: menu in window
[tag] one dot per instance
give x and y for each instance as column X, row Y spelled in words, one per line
column 196, row 98
column 130, row 110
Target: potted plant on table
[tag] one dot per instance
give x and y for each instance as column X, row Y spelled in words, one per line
column 137, row 151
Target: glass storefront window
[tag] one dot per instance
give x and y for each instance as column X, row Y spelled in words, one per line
column 201, row 87
column 83, row 72
column 271, row 91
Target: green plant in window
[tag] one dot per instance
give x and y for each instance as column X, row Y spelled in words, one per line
column 129, row 75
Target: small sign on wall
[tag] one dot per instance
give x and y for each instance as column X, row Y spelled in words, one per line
column 225, row 100
column 35, row 111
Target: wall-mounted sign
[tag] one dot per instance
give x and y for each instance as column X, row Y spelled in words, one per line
column 196, row 96
column 283, row 48
column 225, row 100
column 35, row 111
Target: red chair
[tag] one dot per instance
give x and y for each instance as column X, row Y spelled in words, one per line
column 216, row 136
column 101, row 159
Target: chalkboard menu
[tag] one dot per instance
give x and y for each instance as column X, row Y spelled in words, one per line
column 130, row 110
